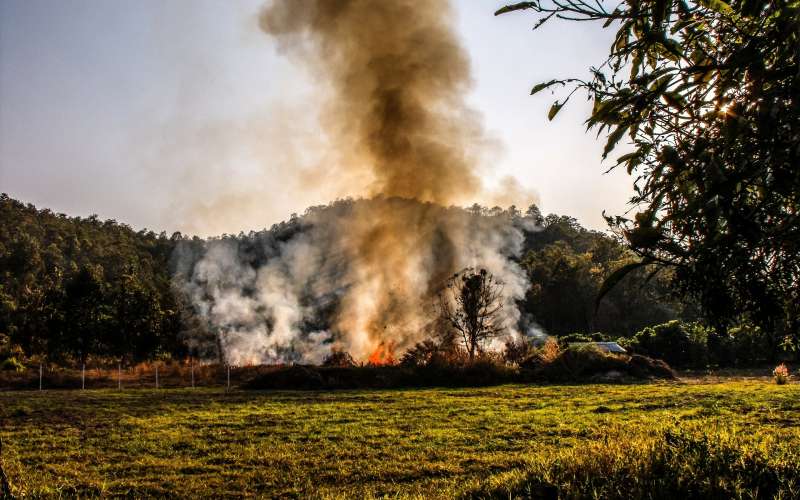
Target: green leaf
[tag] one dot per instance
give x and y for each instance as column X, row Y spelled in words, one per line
column 717, row 6
column 628, row 157
column 554, row 109
column 614, row 138
column 675, row 100
column 516, row 6
column 674, row 48
column 541, row 86
column 611, row 281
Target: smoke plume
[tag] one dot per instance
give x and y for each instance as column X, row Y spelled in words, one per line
column 395, row 79
column 398, row 78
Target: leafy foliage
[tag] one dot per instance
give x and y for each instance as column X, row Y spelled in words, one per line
column 707, row 95
column 674, row 343
column 692, row 345
column 71, row 288
column 568, row 266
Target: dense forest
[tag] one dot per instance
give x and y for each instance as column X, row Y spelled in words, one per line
column 74, row 289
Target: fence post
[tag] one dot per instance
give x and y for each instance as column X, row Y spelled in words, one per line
column 156, row 376
column 191, row 363
column 229, row 377
column 40, row 375
column 119, row 376
column 83, row 376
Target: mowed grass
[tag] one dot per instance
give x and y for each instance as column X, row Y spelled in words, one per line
column 420, row 442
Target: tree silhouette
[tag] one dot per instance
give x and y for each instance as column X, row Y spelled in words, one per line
column 470, row 303
column 708, row 96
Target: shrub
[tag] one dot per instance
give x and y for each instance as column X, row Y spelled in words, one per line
column 338, row 358
column 515, row 352
column 750, row 345
column 577, row 338
column 580, row 362
column 572, row 338
column 644, row 367
column 12, row 364
column 432, row 353
column 674, row 342
column 422, row 354
column 550, row 350
column 585, row 362
column 781, row 374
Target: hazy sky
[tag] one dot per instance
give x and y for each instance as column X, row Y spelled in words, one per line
column 182, row 115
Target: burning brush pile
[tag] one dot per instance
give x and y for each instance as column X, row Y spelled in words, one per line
column 298, row 294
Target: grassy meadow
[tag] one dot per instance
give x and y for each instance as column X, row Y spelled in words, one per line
column 503, row 441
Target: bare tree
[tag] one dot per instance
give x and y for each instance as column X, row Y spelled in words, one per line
column 471, row 303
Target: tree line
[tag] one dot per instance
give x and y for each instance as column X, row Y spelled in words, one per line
column 76, row 288
column 73, row 287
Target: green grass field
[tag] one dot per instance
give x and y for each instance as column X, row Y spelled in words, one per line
column 422, row 442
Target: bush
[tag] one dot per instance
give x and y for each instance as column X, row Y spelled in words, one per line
column 515, row 352
column 582, row 337
column 676, row 343
column 750, row 345
column 339, row 358
column 12, row 364
column 674, row 464
column 432, row 353
column 545, row 354
column 587, row 361
column 781, row 374
column 422, row 354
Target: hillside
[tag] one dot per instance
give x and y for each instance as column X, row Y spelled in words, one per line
column 76, row 288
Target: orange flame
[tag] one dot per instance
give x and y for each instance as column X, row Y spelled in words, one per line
column 382, row 355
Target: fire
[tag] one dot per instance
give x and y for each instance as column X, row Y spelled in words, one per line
column 383, row 355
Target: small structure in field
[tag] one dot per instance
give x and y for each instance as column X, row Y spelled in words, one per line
column 610, row 347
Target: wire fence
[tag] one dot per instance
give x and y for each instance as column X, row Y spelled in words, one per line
column 156, row 375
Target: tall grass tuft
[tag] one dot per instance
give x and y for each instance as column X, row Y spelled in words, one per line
column 674, row 464
column 781, row 374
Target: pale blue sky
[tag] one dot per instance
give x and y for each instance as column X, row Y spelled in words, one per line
column 181, row 115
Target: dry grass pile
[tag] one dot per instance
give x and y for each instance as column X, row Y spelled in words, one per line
column 588, row 363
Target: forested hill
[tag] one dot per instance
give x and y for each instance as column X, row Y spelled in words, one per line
column 73, row 287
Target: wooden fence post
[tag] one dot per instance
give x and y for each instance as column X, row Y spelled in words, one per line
column 40, row 375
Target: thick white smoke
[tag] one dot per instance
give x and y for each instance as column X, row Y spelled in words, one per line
column 363, row 276
column 301, row 296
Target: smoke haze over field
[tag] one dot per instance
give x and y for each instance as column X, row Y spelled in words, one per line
column 394, row 77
